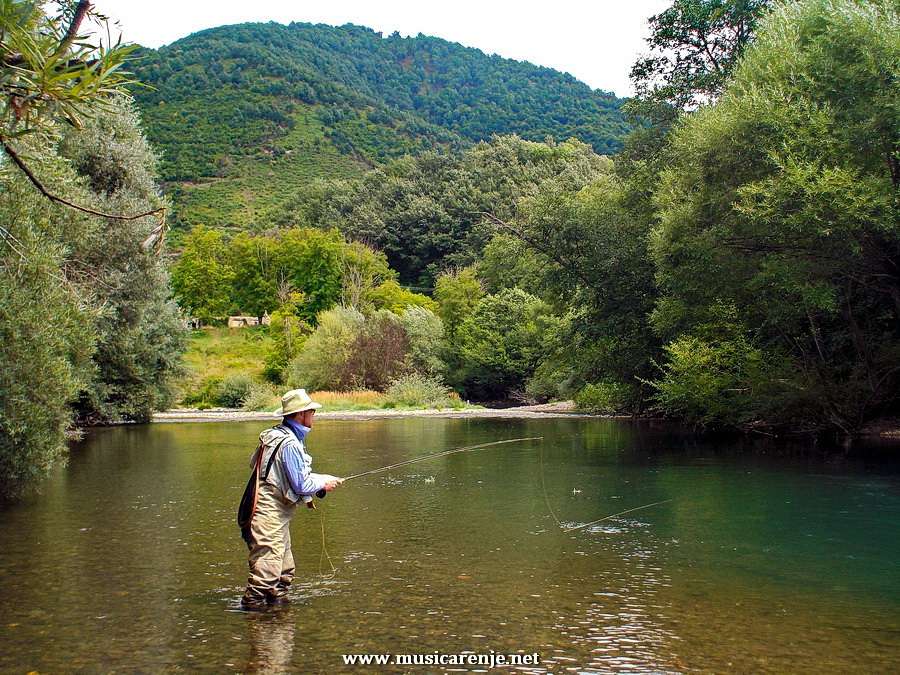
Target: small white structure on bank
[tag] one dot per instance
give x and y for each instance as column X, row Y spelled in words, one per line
column 242, row 321
column 246, row 321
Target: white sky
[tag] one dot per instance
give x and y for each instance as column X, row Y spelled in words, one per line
column 596, row 41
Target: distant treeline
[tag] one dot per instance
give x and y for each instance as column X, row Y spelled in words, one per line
column 737, row 264
column 236, row 89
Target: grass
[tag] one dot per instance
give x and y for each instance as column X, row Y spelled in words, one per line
column 215, row 353
column 360, row 399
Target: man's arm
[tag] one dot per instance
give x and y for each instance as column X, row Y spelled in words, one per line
column 303, row 481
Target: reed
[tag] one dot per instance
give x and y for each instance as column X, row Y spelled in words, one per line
column 358, row 399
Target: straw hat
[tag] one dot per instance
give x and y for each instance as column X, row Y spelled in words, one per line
column 294, row 401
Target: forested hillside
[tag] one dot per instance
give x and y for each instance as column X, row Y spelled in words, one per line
column 241, row 114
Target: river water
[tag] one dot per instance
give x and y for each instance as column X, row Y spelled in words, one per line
column 764, row 560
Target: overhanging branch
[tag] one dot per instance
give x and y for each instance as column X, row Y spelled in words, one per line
column 19, row 162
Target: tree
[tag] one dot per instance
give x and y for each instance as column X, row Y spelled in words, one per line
column 54, row 299
column 139, row 331
column 502, row 342
column 46, row 336
column 51, row 73
column 695, row 45
column 457, row 293
column 782, row 204
column 391, row 296
column 203, row 276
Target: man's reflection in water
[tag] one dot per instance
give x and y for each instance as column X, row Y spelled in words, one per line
column 271, row 641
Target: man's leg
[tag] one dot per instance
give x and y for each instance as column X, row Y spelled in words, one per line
column 266, row 549
column 287, row 569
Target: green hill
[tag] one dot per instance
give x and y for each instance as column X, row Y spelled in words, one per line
column 243, row 115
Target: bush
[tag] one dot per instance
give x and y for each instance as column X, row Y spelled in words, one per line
column 425, row 331
column 602, row 397
column 204, row 395
column 234, row 390
column 418, row 391
column 261, row 396
column 378, row 354
column 322, row 362
column 502, row 342
column 724, row 382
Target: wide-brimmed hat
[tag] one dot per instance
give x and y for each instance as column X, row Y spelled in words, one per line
column 294, row 401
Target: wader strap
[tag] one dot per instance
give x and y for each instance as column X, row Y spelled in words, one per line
column 272, row 457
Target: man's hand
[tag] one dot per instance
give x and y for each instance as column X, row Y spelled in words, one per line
column 333, row 483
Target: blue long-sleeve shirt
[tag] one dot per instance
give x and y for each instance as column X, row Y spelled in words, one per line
column 298, row 463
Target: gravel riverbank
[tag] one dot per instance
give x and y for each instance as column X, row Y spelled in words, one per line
column 561, row 409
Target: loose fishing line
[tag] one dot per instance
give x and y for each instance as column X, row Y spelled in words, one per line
column 593, row 522
column 443, row 453
column 323, row 556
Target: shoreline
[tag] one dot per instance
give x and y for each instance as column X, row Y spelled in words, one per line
column 546, row 410
column 880, row 430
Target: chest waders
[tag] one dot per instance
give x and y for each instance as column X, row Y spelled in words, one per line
column 247, row 507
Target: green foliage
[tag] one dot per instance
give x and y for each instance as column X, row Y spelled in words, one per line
column 71, row 318
column 391, row 296
column 595, row 264
column 726, row 382
column 202, row 278
column 202, row 395
column 43, row 362
column 322, row 362
column 239, row 89
column 457, row 293
column 261, row 396
column 426, row 212
column 288, row 333
column 234, row 390
column 508, row 262
column 602, row 397
column 782, row 203
column 139, row 333
column 421, row 391
column 502, row 342
column 425, row 333
column 253, row 274
column 349, row 350
column 47, row 73
column 695, row 45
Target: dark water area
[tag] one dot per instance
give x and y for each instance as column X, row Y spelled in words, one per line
column 765, row 560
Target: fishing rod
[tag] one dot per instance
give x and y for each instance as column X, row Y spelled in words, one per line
column 434, row 455
column 442, row 453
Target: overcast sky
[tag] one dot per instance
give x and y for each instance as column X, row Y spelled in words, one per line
column 594, row 40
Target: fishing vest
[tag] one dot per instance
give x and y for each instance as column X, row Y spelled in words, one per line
column 277, row 476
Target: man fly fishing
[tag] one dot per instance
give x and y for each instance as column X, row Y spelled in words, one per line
column 282, row 477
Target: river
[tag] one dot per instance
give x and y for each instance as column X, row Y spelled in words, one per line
column 765, row 559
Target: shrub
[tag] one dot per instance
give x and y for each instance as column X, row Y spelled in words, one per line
column 378, row 354
column 203, row 394
column 261, row 396
column 502, row 342
column 425, row 332
column 234, row 390
column 417, row 390
column 725, row 382
column 321, row 364
column 602, row 397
